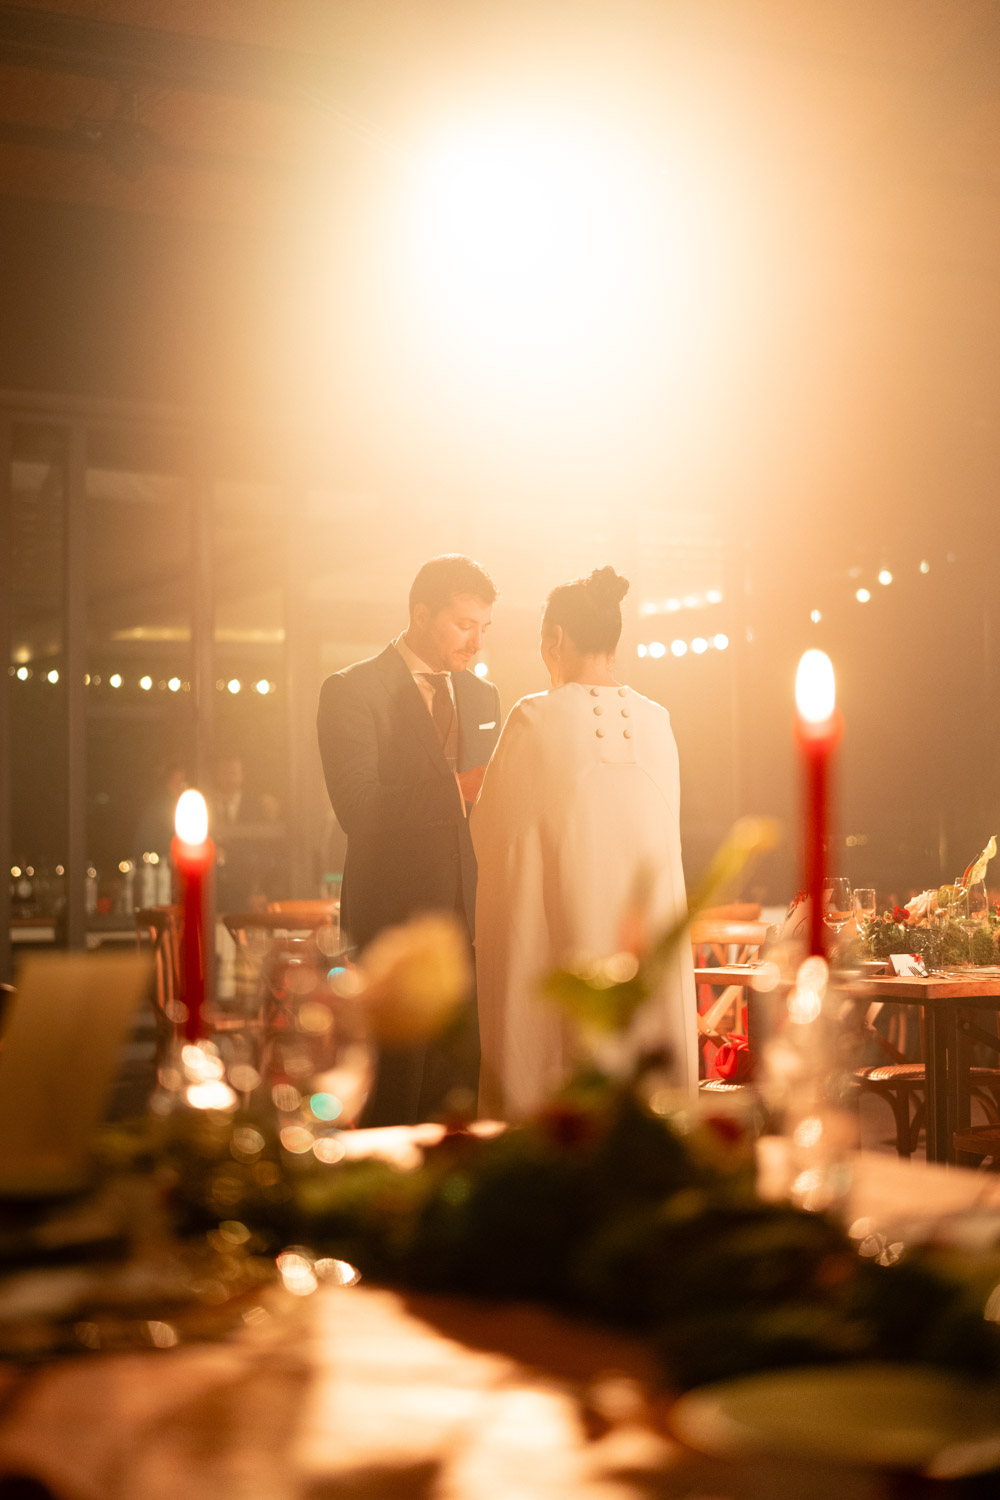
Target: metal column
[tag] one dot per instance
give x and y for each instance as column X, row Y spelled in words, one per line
column 300, row 707
column 202, row 624
column 6, row 689
column 75, row 658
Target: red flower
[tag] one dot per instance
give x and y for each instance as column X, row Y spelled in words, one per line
column 900, row 914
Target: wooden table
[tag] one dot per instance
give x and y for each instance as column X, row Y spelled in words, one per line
column 946, row 1001
column 364, row 1394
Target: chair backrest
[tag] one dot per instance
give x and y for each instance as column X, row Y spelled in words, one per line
column 717, row 942
column 322, row 911
column 160, row 927
column 734, row 911
column 720, row 941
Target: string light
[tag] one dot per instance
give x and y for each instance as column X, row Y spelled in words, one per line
column 174, row 684
column 862, row 596
column 678, row 648
column 234, row 684
column 885, row 577
column 23, row 673
column 264, row 687
column 115, row 680
column 657, row 649
column 53, row 676
column 145, row 683
column 815, row 616
column 699, row 645
column 925, row 566
column 480, row 669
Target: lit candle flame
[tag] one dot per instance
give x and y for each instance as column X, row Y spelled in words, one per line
column 815, row 688
column 191, row 818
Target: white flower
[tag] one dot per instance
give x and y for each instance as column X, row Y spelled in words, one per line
column 414, row 977
column 919, row 906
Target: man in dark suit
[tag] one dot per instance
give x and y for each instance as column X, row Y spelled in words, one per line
column 404, row 738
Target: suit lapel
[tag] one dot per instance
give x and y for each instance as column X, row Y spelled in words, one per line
column 406, row 697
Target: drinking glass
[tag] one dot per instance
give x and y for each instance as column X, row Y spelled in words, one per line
column 974, row 913
column 864, row 906
column 836, row 903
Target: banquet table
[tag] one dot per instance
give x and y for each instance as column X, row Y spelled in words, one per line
column 360, row 1391
column 946, row 1001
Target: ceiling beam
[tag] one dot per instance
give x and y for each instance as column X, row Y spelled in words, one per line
column 137, row 55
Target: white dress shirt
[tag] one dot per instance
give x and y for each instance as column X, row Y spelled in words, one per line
column 422, row 674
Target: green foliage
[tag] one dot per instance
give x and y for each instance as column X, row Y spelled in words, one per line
column 603, row 1208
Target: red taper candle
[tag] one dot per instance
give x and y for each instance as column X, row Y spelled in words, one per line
column 818, row 731
column 194, row 859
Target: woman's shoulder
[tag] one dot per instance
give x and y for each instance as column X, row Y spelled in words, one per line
column 648, row 706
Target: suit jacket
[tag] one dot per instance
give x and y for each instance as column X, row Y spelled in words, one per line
column 408, row 844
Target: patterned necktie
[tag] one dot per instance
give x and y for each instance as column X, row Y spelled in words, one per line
column 444, row 716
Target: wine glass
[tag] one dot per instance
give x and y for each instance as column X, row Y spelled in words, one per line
column 836, row 903
column 864, row 906
column 975, row 911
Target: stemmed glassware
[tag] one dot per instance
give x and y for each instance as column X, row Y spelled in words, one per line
column 864, row 906
column 975, row 913
column 836, row 903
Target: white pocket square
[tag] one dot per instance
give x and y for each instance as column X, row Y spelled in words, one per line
column 491, row 725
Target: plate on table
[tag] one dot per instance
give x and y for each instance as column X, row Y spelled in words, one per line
column 883, row 1416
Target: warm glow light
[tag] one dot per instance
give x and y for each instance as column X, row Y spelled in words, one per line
column 53, row 676
column 523, row 222
column 720, row 642
column 925, row 566
column 174, row 684
column 699, row 644
column 678, row 648
column 885, row 576
column 714, row 596
column 691, row 601
column 15, row 870
column 234, row 684
column 815, row 616
column 115, row 680
column 23, row 673
column 815, row 688
column 640, row 650
column 862, row 596
column 145, row 683
column 191, row 817
column 673, row 605
column 657, row 649
column 264, row 687
column 480, row 669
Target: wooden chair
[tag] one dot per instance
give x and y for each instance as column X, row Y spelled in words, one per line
column 903, row 1086
column 159, row 927
column 977, row 1145
column 718, row 941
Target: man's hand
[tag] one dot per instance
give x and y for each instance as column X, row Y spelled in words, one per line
column 470, row 781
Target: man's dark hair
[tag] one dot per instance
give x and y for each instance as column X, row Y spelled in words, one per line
column 442, row 578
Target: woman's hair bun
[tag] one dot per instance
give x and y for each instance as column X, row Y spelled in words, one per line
column 607, row 585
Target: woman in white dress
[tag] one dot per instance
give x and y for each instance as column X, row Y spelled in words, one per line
column 580, row 799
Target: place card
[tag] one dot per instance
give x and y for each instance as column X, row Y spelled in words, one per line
column 908, row 965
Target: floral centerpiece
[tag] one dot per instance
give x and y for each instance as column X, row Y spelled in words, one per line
column 612, row 1203
column 937, row 924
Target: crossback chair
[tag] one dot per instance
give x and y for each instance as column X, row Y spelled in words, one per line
column 903, row 1086
column 717, row 942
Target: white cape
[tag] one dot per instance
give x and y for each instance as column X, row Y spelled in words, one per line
column 581, row 798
